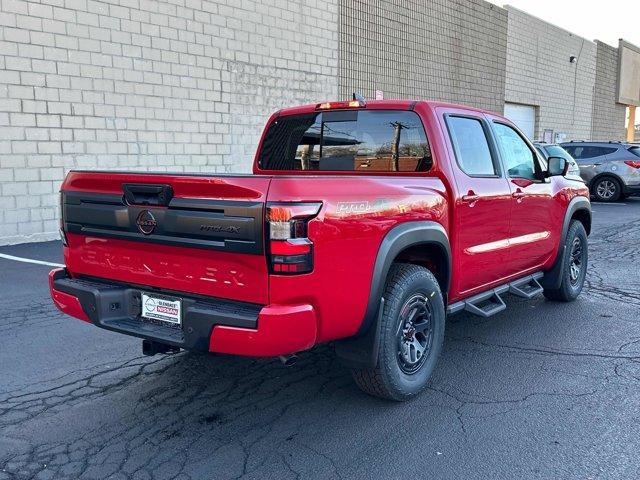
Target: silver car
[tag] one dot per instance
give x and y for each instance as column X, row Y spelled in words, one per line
column 610, row 169
column 554, row 150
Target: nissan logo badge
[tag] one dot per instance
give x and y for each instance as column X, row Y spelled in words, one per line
column 146, row 222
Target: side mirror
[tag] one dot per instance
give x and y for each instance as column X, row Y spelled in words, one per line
column 557, row 166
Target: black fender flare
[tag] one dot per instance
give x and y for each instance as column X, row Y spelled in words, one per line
column 553, row 278
column 399, row 238
column 361, row 351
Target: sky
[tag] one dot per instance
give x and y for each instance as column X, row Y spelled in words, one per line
column 605, row 20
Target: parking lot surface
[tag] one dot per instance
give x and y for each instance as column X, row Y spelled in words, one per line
column 542, row 390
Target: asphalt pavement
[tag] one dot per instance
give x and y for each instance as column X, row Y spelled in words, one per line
column 542, row 390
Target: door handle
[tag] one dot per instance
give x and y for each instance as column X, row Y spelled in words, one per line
column 470, row 197
column 518, row 194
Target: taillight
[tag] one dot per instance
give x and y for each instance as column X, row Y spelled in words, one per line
column 290, row 250
column 633, row 163
column 63, row 235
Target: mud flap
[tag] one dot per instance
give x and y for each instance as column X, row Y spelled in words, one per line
column 553, row 278
column 361, row 352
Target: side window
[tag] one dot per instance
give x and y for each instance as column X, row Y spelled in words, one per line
column 587, row 151
column 604, row 151
column 581, row 152
column 518, row 158
column 471, row 146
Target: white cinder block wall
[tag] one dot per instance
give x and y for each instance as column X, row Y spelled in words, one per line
column 146, row 85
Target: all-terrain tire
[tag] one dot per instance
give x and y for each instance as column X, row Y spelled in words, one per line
column 407, row 285
column 572, row 282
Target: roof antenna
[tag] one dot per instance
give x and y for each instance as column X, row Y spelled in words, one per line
column 358, row 97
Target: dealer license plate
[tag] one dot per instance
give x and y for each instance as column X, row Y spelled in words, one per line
column 163, row 309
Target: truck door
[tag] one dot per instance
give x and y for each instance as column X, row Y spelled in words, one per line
column 482, row 204
column 534, row 209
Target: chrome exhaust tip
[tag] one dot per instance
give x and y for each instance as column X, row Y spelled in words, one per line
column 289, row 360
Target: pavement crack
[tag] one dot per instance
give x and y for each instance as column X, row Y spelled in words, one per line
column 544, row 350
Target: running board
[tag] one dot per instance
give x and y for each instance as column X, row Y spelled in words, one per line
column 527, row 287
column 489, row 303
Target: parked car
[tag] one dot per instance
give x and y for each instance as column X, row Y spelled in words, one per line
column 363, row 224
column 554, row 150
column 611, row 169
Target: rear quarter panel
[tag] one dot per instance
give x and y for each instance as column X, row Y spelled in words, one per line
column 357, row 212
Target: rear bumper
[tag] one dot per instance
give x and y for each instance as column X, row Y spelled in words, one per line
column 208, row 324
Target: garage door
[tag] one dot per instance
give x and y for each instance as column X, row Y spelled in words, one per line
column 524, row 116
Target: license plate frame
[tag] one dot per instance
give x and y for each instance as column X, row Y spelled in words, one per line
column 170, row 308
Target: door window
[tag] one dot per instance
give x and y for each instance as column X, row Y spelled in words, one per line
column 588, row 151
column 471, row 146
column 519, row 159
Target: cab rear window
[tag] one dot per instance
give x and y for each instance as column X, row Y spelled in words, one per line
column 347, row 140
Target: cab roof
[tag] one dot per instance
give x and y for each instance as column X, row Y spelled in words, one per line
column 385, row 104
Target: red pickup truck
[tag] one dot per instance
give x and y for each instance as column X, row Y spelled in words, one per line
column 363, row 224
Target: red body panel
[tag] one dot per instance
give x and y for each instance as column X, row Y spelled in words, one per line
column 66, row 303
column 282, row 330
column 234, row 187
column 234, row 276
column 493, row 239
column 355, row 216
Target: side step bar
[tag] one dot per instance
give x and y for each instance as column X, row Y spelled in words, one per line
column 527, row 287
column 489, row 303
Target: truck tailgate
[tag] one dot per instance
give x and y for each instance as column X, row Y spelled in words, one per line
column 196, row 234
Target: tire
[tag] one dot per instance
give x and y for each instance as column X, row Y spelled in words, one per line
column 606, row 189
column 572, row 279
column 412, row 292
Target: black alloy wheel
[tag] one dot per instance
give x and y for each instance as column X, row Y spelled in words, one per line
column 415, row 333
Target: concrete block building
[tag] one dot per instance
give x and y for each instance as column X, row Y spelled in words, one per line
column 543, row 81
column 450, row 50
column 186, row 85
